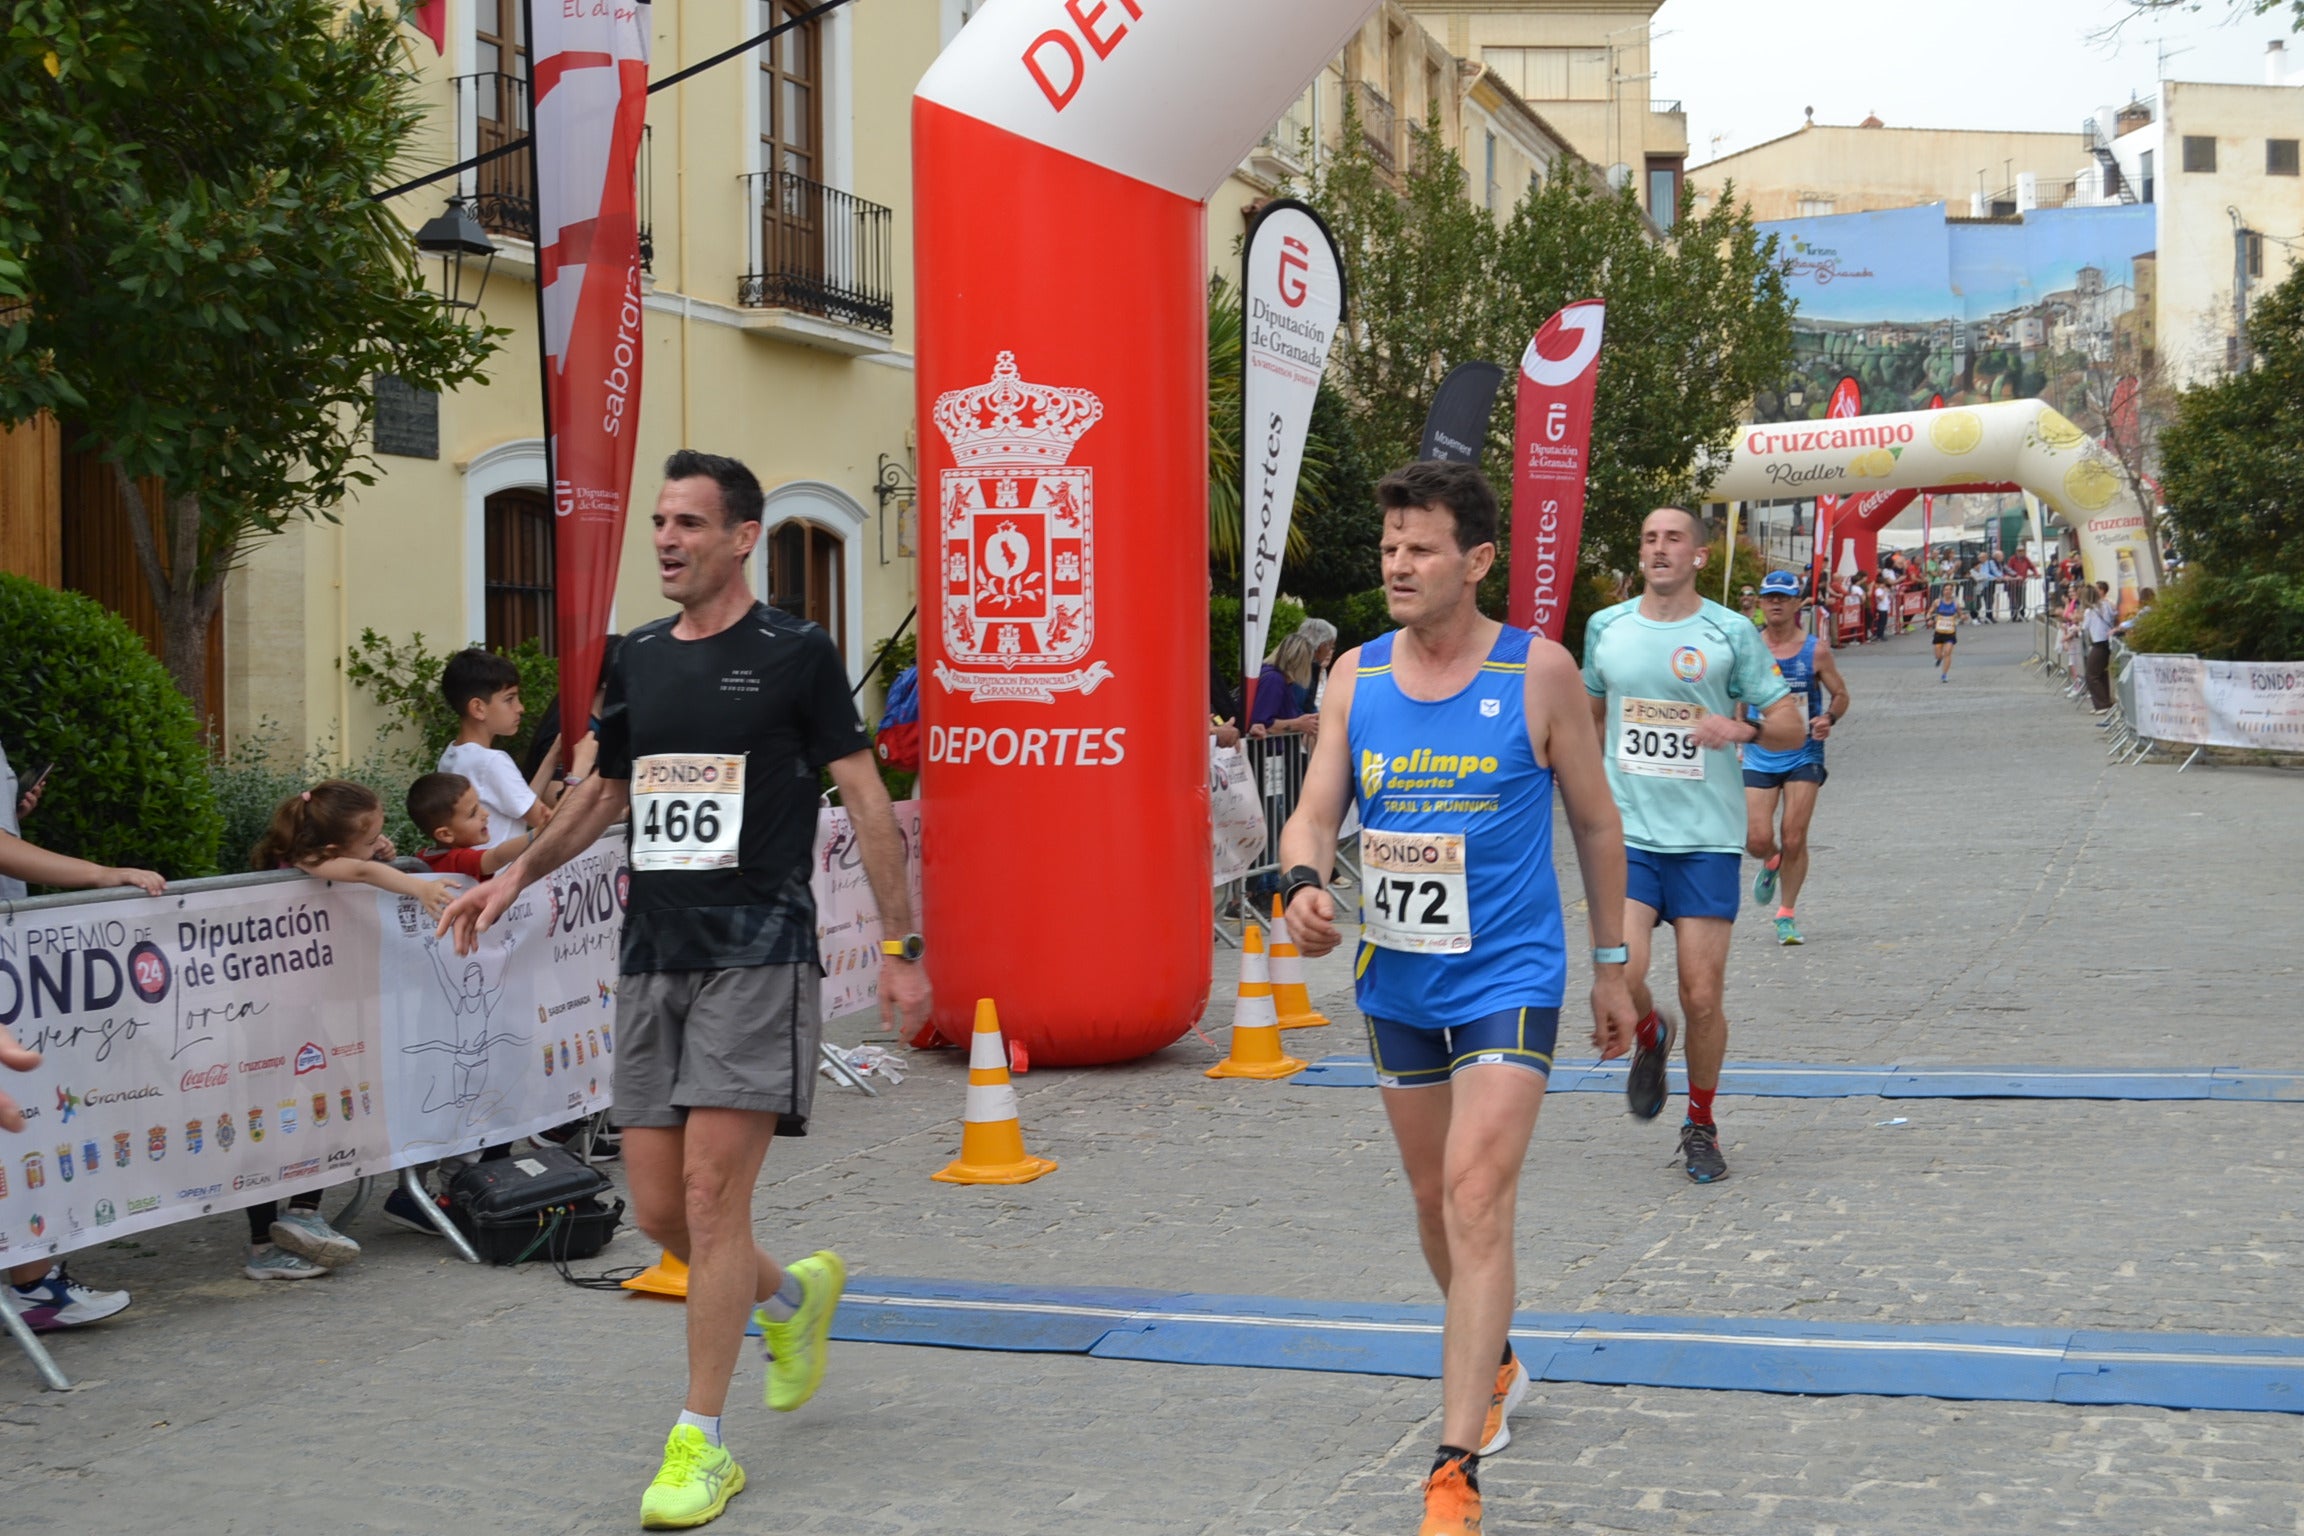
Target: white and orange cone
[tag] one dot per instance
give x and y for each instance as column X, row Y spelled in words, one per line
column 1255, row 1026
column 991, row 1137
column 1290, row 997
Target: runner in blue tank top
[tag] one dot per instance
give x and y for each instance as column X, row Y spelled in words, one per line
column 1796, row 776
column 1450, row 734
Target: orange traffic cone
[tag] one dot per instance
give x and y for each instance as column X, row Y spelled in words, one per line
column 1290, row 997
column 991, row 1139
column 666, row 1277
column 1255, row 1027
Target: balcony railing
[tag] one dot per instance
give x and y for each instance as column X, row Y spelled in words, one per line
column 819, row 251
column 1379, row 126
column 492, row 111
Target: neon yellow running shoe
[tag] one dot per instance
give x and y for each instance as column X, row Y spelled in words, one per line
column 693, row 1486
column 796, row 1347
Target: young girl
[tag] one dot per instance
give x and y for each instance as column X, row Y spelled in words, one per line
column 332, row 831
column 1946, row 617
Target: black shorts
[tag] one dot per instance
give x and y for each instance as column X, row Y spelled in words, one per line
column 1950, row 639
column 1803, row 773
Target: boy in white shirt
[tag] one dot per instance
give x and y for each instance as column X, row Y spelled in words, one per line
column 484, row 690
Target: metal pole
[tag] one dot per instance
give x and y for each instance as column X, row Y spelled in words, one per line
column 438, row 1217
column 34, row 1350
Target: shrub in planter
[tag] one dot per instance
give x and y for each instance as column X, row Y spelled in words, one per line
column 78, row 688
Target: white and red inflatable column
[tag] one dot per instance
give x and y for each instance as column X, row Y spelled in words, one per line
column 1062, row 154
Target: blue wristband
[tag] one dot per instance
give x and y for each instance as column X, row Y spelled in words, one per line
column 1617, row 955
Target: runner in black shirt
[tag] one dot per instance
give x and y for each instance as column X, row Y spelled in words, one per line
column 715, row 726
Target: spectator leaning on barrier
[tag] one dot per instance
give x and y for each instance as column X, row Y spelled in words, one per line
column 1321, row 636
column 2145, row 598
column 1284, row 690
column 1984, row 604
column 40, row 1292
column 447, row 808
column 2020, row 571
column 2097, row 617
column 332, row 831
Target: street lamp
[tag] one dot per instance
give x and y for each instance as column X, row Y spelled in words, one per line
column 453, row 235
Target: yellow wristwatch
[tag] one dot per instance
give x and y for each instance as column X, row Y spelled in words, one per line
column 909, row 947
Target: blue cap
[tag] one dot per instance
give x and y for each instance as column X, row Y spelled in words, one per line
column 1779, row 584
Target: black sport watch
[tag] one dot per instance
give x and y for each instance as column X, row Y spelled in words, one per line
column 1295, row 880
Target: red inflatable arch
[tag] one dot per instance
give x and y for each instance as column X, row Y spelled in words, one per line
column 1062, row 154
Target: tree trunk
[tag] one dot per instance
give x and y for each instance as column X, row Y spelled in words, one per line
column 186, row 603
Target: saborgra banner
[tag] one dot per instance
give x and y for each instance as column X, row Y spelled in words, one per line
column 209, row 1050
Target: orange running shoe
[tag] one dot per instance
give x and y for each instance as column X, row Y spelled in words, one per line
column 1511, row 1387
column 1452, row 1499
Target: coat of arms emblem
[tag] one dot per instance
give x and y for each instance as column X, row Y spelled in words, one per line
column 1017, row 549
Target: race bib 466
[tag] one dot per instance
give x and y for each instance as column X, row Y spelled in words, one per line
column 687, row 811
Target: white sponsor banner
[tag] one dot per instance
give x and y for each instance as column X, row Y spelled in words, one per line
column 2253, row 705
column 848, row 926
column 1236, row 815
column 209, row 1050
column 1292, row 300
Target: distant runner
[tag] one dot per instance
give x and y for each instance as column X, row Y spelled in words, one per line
column 1667, row 674
column 1451, row 733
column 1944, row 619
column 1794, row 777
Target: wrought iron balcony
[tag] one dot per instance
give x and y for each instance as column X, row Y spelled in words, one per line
column 1379, row 126
column 819, row 251
column 492, row 111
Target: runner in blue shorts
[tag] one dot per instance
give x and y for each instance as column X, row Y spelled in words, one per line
column 1793, row 778
column 1450, row 733
column 1669, row 675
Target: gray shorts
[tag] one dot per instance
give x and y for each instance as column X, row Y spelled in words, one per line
column 743, row 1038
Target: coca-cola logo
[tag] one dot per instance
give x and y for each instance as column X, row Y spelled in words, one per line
column 217, row 1076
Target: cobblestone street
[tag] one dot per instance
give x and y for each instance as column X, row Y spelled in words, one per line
column 1987, row 891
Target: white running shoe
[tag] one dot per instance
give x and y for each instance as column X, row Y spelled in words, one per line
column 308, row 1235
column 275, row 1263
column 56, row 1300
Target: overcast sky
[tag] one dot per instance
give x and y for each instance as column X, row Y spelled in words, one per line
column 1746, row 68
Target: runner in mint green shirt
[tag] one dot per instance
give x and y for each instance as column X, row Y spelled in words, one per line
column 1667, row 674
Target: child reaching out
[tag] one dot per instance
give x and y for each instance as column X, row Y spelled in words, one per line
column 332, row 831
column 448, row 807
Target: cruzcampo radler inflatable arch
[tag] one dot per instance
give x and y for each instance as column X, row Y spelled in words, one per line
column 2012, row 444
column 1063, row 151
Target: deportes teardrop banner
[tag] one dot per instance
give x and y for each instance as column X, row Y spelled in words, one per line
column 588, row 78
column 1551, row 458
column 1292, row 300
column 1456, row 428
column 1847, row 400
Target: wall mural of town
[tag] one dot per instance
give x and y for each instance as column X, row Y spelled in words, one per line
column 1914, row 305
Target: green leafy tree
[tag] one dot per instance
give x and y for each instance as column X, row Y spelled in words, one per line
column 2232, row 462
column 193, row 273
column 78, row 690
column 1698, row 322
column 1697, row 325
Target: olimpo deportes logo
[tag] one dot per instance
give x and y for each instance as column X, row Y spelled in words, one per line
column 1017, row 545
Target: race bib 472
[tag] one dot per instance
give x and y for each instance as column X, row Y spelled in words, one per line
column 1417, row 899
column 687, row 811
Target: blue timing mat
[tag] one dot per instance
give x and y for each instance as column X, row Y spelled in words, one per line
column 1797, row 1080
column 1954, row 1361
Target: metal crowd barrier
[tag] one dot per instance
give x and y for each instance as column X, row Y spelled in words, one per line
column 1277, row 763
